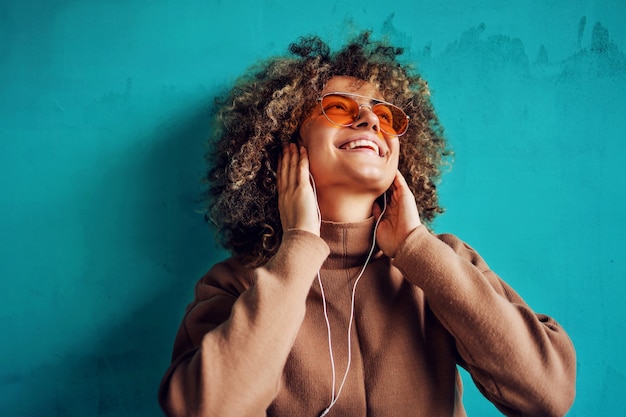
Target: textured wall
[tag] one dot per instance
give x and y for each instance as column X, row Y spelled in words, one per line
column 102, row 119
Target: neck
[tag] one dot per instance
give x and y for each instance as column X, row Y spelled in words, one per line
column 346, row 208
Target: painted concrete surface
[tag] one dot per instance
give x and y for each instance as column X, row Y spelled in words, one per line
column 103, row 115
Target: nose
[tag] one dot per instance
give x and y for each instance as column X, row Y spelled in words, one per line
column 367, row 119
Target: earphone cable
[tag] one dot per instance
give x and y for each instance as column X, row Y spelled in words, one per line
column 335, row 397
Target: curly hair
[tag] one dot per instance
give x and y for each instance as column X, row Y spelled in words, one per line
column 264, row 110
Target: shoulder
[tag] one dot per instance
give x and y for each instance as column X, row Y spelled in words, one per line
column 441, row 248
column 462, row 249
column 230, row 276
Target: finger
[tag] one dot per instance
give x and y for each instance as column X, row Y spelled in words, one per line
column 397, row 181
column 407, row 200
column 400, row 178
column 304, row 166
column 399, row 187
column 293, row 165
column 284, row 168
column 376, row 210
column 282, row 161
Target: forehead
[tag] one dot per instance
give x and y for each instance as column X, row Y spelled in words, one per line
column 346, row 84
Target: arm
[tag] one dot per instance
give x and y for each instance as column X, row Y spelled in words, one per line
column 523, row 362
column 234, row 368
column 229, row 355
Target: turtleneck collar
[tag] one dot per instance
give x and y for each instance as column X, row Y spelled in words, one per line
column 349, row 243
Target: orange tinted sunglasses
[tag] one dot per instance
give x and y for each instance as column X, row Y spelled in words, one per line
column 341, row 109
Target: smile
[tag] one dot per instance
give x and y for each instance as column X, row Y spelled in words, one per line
column 362, row 144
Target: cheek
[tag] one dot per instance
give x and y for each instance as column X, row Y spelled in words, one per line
column 395, row 151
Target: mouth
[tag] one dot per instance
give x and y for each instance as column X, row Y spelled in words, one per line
column 363, row 145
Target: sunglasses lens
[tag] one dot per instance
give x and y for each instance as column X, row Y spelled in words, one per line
column 392, row 119
column 344, row 110
column 341, row 110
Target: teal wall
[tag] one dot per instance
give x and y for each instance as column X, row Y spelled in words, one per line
column 103, row 111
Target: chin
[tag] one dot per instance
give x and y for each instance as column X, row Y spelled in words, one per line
column 378, row 187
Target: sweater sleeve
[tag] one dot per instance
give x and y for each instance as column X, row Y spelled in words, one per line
column 521, row 361
column 231, row 348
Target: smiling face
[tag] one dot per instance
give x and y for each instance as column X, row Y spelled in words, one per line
column 356, row 158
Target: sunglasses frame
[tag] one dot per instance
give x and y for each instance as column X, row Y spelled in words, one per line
column 373, row 102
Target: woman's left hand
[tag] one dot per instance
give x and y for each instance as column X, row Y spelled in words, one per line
column 400, row 218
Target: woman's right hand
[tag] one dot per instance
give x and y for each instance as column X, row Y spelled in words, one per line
column 296, row 199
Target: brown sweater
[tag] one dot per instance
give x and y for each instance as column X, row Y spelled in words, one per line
column 254, row 342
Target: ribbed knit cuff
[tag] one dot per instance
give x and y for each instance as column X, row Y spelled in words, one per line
column 301, row 254
column 421, row 257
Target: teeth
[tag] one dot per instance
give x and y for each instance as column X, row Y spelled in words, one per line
column 362, row 143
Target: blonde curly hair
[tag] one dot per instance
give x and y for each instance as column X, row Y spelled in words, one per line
column 264, row 110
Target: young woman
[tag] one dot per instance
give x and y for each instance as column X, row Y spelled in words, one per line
column 338, row 299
